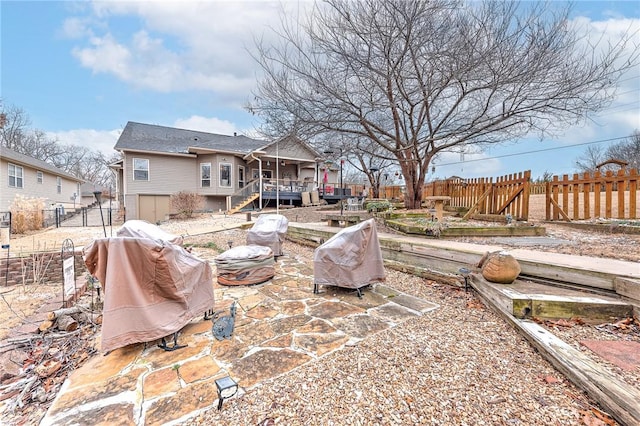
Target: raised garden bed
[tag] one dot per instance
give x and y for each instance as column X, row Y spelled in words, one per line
column 612, row 226
column 421, row 224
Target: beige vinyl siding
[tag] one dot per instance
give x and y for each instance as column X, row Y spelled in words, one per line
column 46, row 190
column 167, row 175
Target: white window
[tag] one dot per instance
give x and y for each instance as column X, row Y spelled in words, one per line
column 16, row 176
column 39, row 176
column 59, row 184
column 205, row 175
column 225, row 175
column 140, row 169
column 240, row 176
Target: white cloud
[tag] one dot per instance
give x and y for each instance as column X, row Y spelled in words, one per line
column 175, row 46
column 100, row 140
column 205, row 124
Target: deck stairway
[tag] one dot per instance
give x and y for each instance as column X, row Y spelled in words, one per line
column 243, row 197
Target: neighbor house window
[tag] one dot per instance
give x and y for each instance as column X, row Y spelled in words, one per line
column 205, row 175
column 140, row 169
column 59, row 184
column 240, row 176
column 39, row 176
column 16, row 176
column 225, row 174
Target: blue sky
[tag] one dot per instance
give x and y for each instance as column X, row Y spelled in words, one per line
column 81, row 70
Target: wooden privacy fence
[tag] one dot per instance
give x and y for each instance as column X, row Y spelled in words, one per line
column 593, row 195
column 507, row 195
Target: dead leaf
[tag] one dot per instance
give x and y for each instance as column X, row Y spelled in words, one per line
column 605, row 418
column 551, row 380
column 589, row 420
column 564, row 323
column 47, row 368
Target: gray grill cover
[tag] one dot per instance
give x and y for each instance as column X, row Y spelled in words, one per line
column 269, row 231
column 352, row 258
column 143, row 229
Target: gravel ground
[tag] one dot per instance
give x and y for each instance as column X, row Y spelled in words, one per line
column 458, row 365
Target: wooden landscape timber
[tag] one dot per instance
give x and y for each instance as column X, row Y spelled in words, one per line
column 467, row 231
column 527, row 299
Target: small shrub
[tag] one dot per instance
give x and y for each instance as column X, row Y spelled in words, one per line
column 26, row 214
column 379, row 206
column 186, row 203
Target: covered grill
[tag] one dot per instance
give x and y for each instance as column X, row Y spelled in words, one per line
column 152, row 288
column 269, row 231
column 144, row 229
column 351, row 258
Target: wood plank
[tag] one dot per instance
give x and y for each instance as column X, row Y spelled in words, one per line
column 627, row 287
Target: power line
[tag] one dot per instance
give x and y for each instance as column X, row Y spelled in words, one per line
column 532, row 152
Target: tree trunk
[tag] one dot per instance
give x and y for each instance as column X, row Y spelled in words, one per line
column 66, row 323
column 45, row 325
column 68, row 311
column 413, row 179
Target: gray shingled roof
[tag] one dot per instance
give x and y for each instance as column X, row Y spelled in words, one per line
column 25, row 160
column 152, row 138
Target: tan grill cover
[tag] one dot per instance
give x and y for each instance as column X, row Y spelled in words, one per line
column 144, row 229
column 269, row 231
column 151, row 289
column 351, row 258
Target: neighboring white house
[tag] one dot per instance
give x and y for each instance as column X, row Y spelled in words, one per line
column 33, row 178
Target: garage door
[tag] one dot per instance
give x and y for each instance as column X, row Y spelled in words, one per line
column 153, row 208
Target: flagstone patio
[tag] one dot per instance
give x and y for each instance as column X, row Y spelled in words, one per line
column 280, row 325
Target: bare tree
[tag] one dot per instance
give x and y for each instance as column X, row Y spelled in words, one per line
column 627, row 150
column 80, row 161
column 591, row 157
column 422, row 77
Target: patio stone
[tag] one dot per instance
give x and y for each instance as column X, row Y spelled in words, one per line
column 393, row 312
column 329, row 310
column 228, row 350
column 265, row 364
column 114, row 414
column 263, row 311
column 320, row 344
column 255, row 333
column 624, row 354
column 295, row 307
column 198, row 369
column 98, row 391
column 316, row 326
column 288, row 324
column 186, row 400
column 160, row 382
column 279, row 342
column 100, row 368
column 361, row 326
column 158, row 357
